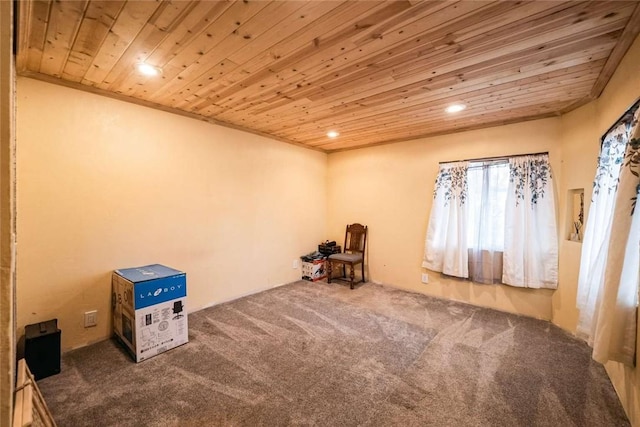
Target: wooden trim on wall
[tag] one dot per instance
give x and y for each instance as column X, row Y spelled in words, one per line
column 7, row 214
column 631, row 31
column 577, row 104
column 108, row 94
column 459, row 130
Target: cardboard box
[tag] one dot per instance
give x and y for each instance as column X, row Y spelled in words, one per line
column 149, row 313
column 314, row 270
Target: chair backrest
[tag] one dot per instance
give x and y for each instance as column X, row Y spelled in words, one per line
column 355, row 238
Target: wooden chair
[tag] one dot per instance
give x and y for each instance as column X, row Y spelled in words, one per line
column 355, row 241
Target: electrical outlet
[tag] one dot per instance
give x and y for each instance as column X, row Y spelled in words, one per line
column 90, row 318
column 425, row 278
column 296, row 263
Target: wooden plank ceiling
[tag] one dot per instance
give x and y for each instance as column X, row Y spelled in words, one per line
column 374, row 71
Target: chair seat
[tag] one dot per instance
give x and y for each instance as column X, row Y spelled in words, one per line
column 346, row 257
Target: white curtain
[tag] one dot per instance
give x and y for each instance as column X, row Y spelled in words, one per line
column 495, row 222
column 446, row 242
column 595, row 245
column 609, row 274
column 531, row 239
column 488, row 182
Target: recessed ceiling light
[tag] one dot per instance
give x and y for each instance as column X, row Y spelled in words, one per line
column 148, row 70
column 333, row 134
column 455, row 108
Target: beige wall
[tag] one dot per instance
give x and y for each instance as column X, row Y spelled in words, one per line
column 7, row 214
column 390, row 187
column 581, row 133
column 104, row 184
column 580, row 148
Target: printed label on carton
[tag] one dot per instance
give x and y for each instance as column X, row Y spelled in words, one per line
column 150, row 316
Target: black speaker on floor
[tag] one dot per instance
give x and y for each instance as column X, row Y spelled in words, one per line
column 42, row 348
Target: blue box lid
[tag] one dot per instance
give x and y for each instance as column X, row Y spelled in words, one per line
column 148, row 272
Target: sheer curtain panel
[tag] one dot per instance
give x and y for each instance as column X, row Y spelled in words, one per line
column 595, row 245
column 610, row 324
column 446, row 241
column 488, row 182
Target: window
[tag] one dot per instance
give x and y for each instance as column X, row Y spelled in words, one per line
column 494, row 222
column 488, row 183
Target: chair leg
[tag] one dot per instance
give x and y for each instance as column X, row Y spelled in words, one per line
column 344, row 271
column 363, row 273
column 351, row 274
column 329, row 269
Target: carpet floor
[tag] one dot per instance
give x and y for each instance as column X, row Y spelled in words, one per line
column 321, row 354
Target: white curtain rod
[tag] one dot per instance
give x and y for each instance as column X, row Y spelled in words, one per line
column 484, row 159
